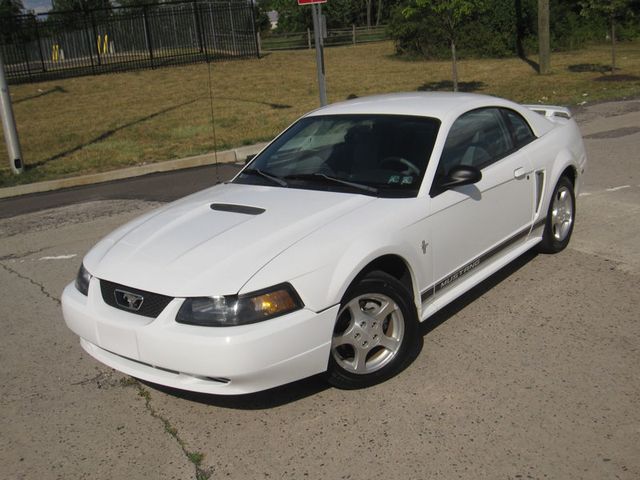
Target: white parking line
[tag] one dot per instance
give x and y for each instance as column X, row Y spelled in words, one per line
column 615, row 189
column 59, row 257
column 606, row 190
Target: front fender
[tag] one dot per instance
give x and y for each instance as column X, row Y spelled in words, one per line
column 322, row 266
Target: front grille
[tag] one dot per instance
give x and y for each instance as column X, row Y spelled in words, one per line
column 152, row 305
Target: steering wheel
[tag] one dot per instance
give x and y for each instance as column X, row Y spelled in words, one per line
column 410, row 167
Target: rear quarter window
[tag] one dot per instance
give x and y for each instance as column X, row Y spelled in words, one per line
column 522, row 133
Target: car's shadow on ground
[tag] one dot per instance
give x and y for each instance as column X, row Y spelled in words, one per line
column 272, row 398
column 476, row 292
column 301, row 389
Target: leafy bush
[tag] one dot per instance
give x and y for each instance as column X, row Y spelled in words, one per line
column 505, row 28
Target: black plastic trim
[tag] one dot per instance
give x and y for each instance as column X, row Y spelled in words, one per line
column 231, row 208
column 153, row 303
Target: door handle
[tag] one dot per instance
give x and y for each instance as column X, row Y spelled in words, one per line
column 519, row 173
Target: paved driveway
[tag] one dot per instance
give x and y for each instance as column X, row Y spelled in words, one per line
column 534, row 374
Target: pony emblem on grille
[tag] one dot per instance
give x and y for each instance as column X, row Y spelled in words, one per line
column 128, row 300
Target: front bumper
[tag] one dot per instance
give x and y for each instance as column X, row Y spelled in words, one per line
column 229, row 360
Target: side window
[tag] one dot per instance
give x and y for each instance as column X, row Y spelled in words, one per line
column 521, row 130
column 477, row 138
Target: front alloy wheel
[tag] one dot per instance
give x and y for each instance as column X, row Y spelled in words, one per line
column 562, row 213
column 375, row 331
column 560, row 218
column 369, row 333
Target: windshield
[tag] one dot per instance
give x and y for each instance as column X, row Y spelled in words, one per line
column 383, row 155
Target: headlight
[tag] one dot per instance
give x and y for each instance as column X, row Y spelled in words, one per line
column 82, row 280
column 239, row 310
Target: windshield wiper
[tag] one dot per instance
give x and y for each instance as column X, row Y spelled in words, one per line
column 327, row 178
column 268, row 176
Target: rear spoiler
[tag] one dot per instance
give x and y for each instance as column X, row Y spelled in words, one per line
column 551, row 112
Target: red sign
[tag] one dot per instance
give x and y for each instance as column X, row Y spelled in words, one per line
column 310, row 2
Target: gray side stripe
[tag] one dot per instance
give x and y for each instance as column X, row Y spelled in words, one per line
column 455, row 276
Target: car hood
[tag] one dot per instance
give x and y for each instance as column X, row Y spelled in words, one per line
column 213, row 242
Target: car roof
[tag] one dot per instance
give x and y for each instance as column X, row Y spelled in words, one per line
column 445, row 106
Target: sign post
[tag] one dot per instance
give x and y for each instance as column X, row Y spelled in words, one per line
column 316, row 12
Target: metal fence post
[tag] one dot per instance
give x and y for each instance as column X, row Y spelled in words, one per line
column 90, row 43
column 26, row 58
column 213, row 29
column 256, row 32
column 95, row 37
column 194, row 7
column 233, row 33
column 147, row 34
column 353, row 30
column 309, row 38
column 35, row 22
column 203, row 32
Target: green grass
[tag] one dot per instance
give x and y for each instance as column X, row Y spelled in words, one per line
column 94, row 124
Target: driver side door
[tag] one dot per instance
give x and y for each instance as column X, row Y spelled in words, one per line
column 472, row 224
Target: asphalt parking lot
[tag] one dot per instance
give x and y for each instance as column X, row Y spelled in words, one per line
column 533, row 374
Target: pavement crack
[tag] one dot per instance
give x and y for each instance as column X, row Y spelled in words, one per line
column 194, row 457
column 32, row 282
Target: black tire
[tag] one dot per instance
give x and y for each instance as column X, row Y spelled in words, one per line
column 394, row 325
column 560, row 218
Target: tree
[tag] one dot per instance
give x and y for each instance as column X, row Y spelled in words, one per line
column 340, row 13
column 11, row 7
column 9, row 22
column 614, row 11
column 262, row 22
column 544, row 33
column 451, row 14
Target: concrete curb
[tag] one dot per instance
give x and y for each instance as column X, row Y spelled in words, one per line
column 227, row 156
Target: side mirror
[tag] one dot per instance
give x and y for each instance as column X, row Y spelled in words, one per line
column 249, row 158
column 458, row 176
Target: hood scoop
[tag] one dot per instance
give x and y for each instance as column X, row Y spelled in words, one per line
column 231, row 208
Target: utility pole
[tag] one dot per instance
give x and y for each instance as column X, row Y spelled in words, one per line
column 9, row 124
column 543, row 37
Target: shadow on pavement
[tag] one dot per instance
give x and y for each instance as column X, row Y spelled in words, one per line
column 41, row 93
column 589, row 67
column 272, row 398
column 275, row 106
column 476, row 292
column 105, row 135
column 533, row 64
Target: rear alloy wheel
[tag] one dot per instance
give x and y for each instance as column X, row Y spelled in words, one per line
column 560, row 218
column 375, row 333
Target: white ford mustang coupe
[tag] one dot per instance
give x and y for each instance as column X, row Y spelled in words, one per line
column 325, row 252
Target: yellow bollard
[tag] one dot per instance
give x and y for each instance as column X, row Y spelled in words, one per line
column 55, row 52
column 106, row 44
